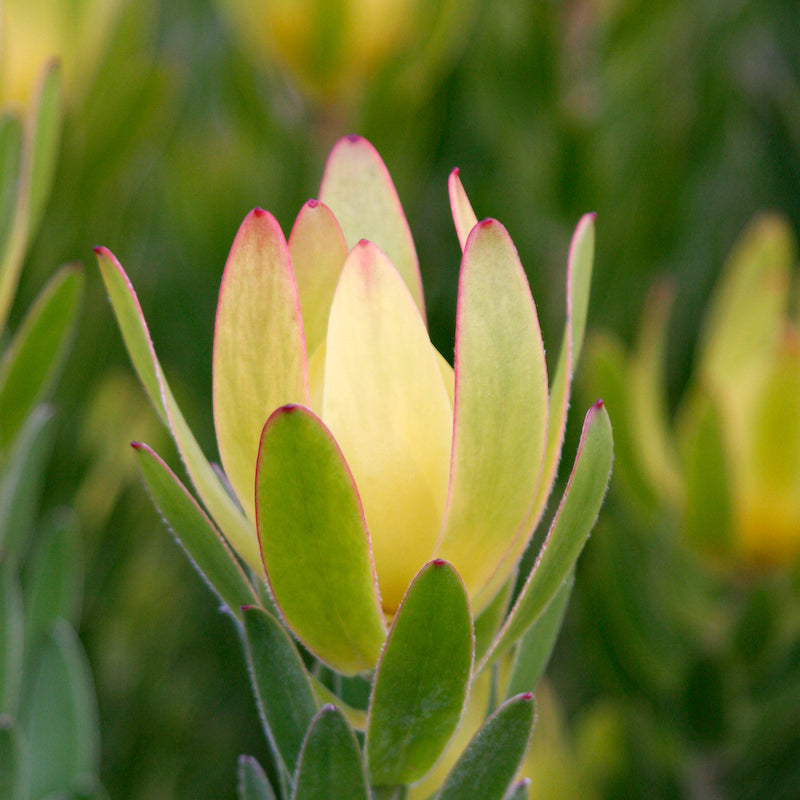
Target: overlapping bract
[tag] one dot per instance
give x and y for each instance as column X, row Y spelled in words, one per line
column 355, row 451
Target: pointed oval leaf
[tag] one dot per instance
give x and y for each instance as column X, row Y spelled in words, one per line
column 422, row 680
column 330, row 765
column 488, row 765
column 283, row 690
column 13, row 761
column 12, row 639
column 571, row 527
column 31, row 363
column 238, row 530
column 259, row 358
column 387, row 405
column 252, row 782
column 315, row 544
column 195, row 532
column 358, row 189
column 463, row 216
column 500, row 415
column 59, row 714
column 579, row 278
column 318, row 251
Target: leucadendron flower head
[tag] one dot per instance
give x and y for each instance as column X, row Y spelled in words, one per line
column 354, row 453
column 729, row 469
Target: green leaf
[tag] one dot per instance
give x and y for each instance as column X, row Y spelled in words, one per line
column 490, row 761
column 283, row 690
column 330, row 765
column 488, row 622
column 10, row 163
column 59, row 714
column 237, row 528
column 570, row 529
column 12, row 639
column 355, row 716
column 32, row 362
column 22, row 480
column 519, row 791
column 13, row 766
column 53, row 576
column 422, row 679
column 536, row 646
column 500, row 411
column 358, row 189
column 206, row 549
column 38, row 159
column 252, row 782
column 579, row 279
column 314, row 542
column 44, row 143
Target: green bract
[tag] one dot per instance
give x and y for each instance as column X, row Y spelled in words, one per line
column 355, row 453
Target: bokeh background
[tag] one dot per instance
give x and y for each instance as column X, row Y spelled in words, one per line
column 675, row 120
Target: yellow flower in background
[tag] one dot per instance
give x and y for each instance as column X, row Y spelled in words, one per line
column 730, row 467
column 33, row 32
column 334, row 50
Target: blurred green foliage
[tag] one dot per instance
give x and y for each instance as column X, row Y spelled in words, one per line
column 675, row 120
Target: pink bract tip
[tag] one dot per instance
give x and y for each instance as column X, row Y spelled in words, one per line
column 312, row 203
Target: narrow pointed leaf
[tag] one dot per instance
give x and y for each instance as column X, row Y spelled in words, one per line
column 314, row 542
column 463, row 215
column 536, row 646
column 13, row 764
column 648, row 415
column 570, row 529
column 59, row 715
column 422, row 680
column 53, row 576
column 10, row 164
column 388, row 408
column 22, row 480
column 238, row 530
column 32, row 362
column 252, row 782
column 259, row 357
column 38, row 156
column 579, row 277
column 318, row 251
column 500, row 415
column 488, row 765
column 44, row 142
column 359, row 191
column 330, row 765
column 283, row 690
column 195, row 532
column 12, row 639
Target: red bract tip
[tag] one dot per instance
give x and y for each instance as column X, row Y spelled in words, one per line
column 598, row 405
column 527, row 696
column 259, row 212
column 439, row 562
column 136, row 445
